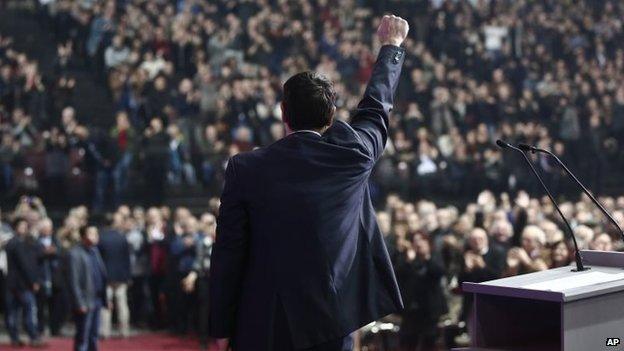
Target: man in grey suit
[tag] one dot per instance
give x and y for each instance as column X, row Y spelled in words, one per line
column 87, row 288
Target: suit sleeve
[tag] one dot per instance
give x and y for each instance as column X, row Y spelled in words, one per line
column 78, row 298
column 371, row 117
column 229, row 257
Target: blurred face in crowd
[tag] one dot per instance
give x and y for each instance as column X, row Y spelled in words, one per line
column 45, row 227
column 138, row 213
column 190, row 225
column 117, row 42
column 118, row 220
column 208, row 223
column 553, row 234
column 91, row 236
column 156, row 125
column 560, row 254
column 602, row 242
column 124, row 210
column 400, row 230
column 501, row 231
column 445, row 218
column 154, row 215
column 584, row 235
column 122, row 120
column 478, row 241
column 413, row 222
column 421, row 245
column 533, row 238
column 160, row 83
column 182, row 214
column 21, row 228
column 166, row 213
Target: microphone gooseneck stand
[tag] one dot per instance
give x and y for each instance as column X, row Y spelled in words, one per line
column 577, row 254
column 534, row 149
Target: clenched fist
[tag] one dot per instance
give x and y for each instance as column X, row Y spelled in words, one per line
column 392, row 30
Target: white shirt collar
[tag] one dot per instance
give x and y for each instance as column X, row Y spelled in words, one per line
column 306, row 131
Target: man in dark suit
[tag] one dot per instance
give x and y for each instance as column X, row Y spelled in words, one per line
column 115, row 252
column 22, row 283
column 87, row 289
column 299, row 261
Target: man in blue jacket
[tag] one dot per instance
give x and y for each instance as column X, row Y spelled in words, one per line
column 299, row 262
column 115, row 251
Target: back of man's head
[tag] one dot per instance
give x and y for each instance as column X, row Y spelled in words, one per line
column 309, row 101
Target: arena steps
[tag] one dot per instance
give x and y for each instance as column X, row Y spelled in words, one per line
column 35, row 37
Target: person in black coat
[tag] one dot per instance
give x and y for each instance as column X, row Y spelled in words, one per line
column 115, row 252
column 299, row 261
column 23, row 283
column 420, row 278
column 156, row 158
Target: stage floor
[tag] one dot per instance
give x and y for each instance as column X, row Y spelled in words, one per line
column 143, row 342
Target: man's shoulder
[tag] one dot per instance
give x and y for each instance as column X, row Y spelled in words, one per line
column 76, row 252
column 248, row 158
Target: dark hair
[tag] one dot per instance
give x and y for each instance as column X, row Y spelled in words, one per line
column 83, row 231
column 309, row 100
column 18, row 220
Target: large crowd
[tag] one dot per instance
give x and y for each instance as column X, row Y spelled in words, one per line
column 194, row 82
column 158, row 260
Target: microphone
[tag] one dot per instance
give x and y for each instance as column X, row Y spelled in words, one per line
column 577, row 253
column 534, row 149
column 502, row 144
column 525, row 147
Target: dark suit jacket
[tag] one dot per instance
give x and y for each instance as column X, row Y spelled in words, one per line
column 80, row 282
column 22, row 256
column 115, row 252
column 297, row 227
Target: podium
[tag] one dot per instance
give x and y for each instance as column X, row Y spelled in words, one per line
column 552, row 310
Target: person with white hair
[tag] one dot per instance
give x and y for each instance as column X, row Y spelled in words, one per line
column 528, row 257
column 501, row 232
column 584, row 235
column 602, row 242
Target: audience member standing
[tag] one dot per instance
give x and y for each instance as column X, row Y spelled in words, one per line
column 419, row 275
column 6, row 233
column 140, row 305
column 182, row 257
column 197, row 280
column 115, row 252
column 482, row 262
column 49, row 300
column 87, row 284
column 22, row 283
column 156, row 158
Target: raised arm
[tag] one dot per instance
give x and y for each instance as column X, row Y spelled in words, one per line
column 371, row 117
